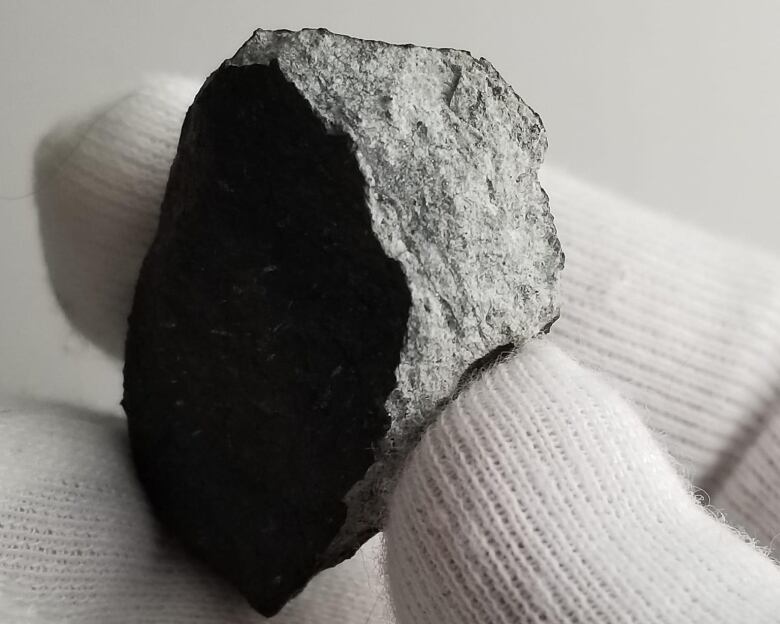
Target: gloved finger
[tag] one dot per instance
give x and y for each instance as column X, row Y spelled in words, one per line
column 98, row 185
column 78, row 543
column 539, row 496
column 684, row 324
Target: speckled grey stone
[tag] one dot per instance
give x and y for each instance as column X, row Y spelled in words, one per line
column 450, row 154
column 447, row 156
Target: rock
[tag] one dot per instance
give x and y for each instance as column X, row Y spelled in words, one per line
column 351, row 230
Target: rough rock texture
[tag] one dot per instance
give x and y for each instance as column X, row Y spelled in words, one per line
column 351, row 229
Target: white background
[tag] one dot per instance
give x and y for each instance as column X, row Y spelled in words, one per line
column 672, row 103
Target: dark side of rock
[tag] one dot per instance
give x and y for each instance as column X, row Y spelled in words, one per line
column 265, row 332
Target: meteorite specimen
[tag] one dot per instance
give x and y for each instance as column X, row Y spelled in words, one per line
column 350, row 229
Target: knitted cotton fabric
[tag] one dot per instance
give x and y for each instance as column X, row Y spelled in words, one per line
column 685, row 324
column 540, row 497
column 545, row 491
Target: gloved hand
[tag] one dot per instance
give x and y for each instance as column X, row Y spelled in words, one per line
column 556, row 489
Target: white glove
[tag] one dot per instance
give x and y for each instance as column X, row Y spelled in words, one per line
column 539, row 496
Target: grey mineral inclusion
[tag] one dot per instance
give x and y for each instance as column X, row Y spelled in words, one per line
column 449, row 154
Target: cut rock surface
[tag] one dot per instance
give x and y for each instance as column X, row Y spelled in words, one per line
column 350, row 230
